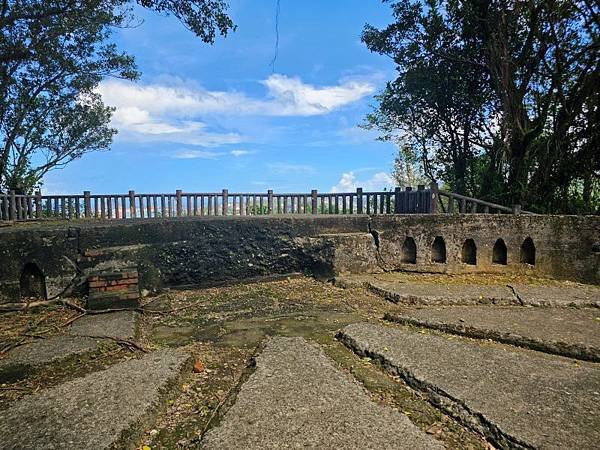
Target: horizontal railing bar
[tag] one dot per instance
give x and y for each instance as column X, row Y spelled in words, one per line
column 479, row 202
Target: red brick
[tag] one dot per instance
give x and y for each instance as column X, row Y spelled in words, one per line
column 97, row 283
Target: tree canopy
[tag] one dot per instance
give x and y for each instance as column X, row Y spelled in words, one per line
column 53, row 55
column 496, row 98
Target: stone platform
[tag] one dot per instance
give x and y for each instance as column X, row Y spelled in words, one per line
column 515, row 397
column 297, row 398
column 393, row 287
column 103, row 410
column 570, row 332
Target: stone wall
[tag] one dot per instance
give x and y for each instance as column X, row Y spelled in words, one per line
column 212, row 250
column 564, row 246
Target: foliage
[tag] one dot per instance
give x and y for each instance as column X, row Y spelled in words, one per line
column 53, row 55
column 496, row 98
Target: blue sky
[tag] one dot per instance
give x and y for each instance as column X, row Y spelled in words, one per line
column 203, row 118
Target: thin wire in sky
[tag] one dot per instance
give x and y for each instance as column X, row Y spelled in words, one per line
column 277, row 8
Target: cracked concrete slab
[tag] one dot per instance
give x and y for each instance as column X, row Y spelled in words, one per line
column 515, row 397
column 106, row 409
column 567, row 332
column 578, row 295
column 436, row 294
column 28, row 358
column 428, row 293
column 115, row 325
column 298, row 398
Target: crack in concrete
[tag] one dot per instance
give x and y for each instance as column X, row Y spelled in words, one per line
column 441, row 399
column 516, row 294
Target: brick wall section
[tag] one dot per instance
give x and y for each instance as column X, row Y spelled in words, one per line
column 113, row 289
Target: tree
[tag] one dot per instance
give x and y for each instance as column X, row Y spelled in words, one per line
column 499, row 97
column 53, row 55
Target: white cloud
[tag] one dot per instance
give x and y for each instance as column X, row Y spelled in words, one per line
column 282, row 168
column 348, row 182
column 238, row 153
column 286, row 96
column 196, row 154
column 173, row 112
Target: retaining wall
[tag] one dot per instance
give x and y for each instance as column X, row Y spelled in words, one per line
column 211, row 250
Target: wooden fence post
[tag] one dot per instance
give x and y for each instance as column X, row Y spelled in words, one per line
column 13, row 206
column 270, row 201
column 179, row 206
column 87, row 206
column 225, row 205
column 132, row 210
column 313, row 201
column 38, row 204
column 359, row 200
column 433, row 203
column 397, row 198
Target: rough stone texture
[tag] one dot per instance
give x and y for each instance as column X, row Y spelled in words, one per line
column 436, row 294
column 205, row 251
column 29, row 357
column 578, row 295
column 116, row 325
column 567, row 332
column 515, row 397
column 564, row 244
column 103, row 410
column 399, row 291
column 297, row 398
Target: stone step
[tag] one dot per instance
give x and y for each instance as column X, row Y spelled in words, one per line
column 106, row 409
column 298, row 398
column 567, row 332
column 428, row 294
column 27, row 359
column 84, row 336
column 515, row 397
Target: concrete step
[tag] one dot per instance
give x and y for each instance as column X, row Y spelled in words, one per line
column 106, row 409
column 298, row 398
column 567, row 332
column 396, row 290
column 84, row 336
column 515, row 397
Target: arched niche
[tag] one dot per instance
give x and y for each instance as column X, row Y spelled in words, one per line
column 499, row 252
column 32, row 282
column 438, row 250
column 409, row 251
column 528, row 252
column 469, row 252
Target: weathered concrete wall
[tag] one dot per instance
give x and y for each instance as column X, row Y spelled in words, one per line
column 172, row 252
column 211, row 250
column 564, row 245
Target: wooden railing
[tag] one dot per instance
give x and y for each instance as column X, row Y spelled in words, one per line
column 16, row 207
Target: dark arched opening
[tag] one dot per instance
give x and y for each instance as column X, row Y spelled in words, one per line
column 499, row 252
column 469, row 252
column 33, row 282
column 438, row 250
column 409, row 251
column 528, row 252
